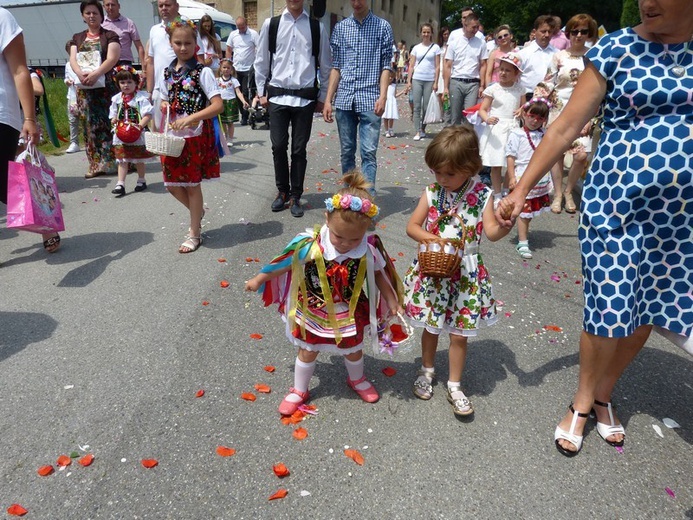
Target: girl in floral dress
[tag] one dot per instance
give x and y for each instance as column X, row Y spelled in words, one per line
column 192, row 97
column 327, row 283
column 457, row 206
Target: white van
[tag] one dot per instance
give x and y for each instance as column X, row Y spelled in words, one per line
column 223, row 23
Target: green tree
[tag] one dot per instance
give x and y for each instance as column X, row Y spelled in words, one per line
column 631, row 14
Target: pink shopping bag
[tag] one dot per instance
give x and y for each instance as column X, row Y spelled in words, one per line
column 33, row 203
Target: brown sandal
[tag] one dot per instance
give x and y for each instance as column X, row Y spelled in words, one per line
column 52, row 244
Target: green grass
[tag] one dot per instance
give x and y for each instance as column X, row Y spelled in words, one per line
column 56, row 90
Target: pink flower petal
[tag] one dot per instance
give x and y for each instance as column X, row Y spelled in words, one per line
column 670, row 492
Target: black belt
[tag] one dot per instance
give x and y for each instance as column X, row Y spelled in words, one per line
column 467, row 80
column 310, row 93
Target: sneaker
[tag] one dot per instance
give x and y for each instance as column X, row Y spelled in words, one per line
column 119, row 190
column 523, row 250
column 459, row 402
column 279, row 204
column 73, row 148
column 229, row 144
column 417, row 137
column 296, row 209
column 141, row 186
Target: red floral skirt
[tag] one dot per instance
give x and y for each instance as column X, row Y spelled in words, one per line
column 199, row 160
column 535, row 206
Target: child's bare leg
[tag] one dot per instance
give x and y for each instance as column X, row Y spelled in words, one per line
column 180, row 193
column 523, row 228
column 195, row 205
column 122, row 172
column 429, row 345
column 140, row 172
column 496, row 180
column 457, row 357
column 229, row 131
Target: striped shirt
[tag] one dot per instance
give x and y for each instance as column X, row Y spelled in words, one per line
column 360, row 51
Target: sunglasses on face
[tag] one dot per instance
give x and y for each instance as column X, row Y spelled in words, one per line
column 577, row 32
column 503, row 36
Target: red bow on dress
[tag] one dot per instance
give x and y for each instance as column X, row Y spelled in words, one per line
column 340, row 277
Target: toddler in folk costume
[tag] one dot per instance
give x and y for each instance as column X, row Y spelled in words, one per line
column 333, row 285
column 131, row 109
column 457, row 206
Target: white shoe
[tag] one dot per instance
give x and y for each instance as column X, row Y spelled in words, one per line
column 229, row 144
column 417, row 137
column 73, row 148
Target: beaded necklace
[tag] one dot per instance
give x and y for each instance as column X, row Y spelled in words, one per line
column 529, row 138
column 444, row 206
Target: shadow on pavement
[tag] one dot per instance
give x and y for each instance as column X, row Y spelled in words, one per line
column 20, row 329
column 232, row 235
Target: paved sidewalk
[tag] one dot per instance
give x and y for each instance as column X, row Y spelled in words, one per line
column 107, row 342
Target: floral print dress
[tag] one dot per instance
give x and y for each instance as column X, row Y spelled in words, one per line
column 456, row 305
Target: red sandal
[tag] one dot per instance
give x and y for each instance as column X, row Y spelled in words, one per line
column 369, row 394
column 289, row 407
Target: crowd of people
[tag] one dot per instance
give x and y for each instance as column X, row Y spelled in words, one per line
column 536, row 108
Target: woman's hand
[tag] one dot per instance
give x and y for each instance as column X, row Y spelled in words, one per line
column 91, row 78
column 30, row 132
column 508, row 209
column 183, row 122
column 492, row 120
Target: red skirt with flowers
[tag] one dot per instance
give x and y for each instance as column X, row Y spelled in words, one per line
column 199, row 160
column 535, row 206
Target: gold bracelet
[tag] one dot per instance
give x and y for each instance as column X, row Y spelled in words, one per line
column 29, row 119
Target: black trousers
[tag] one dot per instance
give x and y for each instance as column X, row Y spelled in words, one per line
column 248, row 88
column 9, row 137
column 289, row 179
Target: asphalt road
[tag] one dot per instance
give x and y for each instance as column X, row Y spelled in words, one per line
column 106, row 343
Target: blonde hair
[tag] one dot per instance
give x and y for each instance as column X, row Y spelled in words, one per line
column 356, row 185
column 455, row 147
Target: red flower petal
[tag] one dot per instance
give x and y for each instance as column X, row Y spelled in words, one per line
column 255, row 335
column 224, row 451
column 44, row 471
column 86, row 460
column 397, row 332
column 224, row 284
column 221, row 260
column 200, row 393
column 16, row 510
column 150, row 463
column 248, row 396
column 300, row 434
column 269, row 368
column 281, row 470
column 263, row 389
column 248, row 258
column 554, row 328
column 355, row 456
column 279, row 494
column 205, row 303
column 64, row 460
column 389, row 371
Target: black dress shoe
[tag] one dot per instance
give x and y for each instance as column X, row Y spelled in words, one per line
column 279, row 203
column 296, row 209
column 119, row 190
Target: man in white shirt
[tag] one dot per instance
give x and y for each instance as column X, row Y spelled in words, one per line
column 464, row 71
column 287, row 81
column 160, row 54
column 536, row 57
column 241, row 48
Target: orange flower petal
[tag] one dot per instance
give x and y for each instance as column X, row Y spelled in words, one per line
column 221, row 260
column 64, row 460
column 257, row 260
column 389, row 371
column 300, row 433
column 224, row 451
column 263, row 389
column 269, row 368
column 554, row 328
column 281, row 470
column 150, row 463
column 281, row 493
column 255, row 335
column 286, row 420
column 248, row 258
column 200, row 393
column 17, row 510
column 86, row 460
column 205, row 303
column 224, row 284
column 44, row 471
column 355, row 456
column 248, row 396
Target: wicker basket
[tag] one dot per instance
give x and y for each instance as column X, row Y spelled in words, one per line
column 164, row 143
column 440, row 257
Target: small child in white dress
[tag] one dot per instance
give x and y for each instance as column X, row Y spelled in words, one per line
column 391, row 112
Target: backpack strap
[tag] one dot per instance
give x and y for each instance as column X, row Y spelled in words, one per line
column 315, row 42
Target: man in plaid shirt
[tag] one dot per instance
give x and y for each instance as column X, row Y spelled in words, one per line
column 361, row 64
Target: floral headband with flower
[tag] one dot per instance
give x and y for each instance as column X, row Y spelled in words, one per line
column 350, row 202
column 178, row 23
column 126, row 68
column 537, row 100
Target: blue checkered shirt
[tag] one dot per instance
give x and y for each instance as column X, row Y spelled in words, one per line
column 360, row 51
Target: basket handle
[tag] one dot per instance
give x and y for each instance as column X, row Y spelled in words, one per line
column 168, row 115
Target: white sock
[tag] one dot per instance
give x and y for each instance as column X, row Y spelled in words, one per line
column 302, row 374
column 355, row 370
column 120, row 183
column 140, row 180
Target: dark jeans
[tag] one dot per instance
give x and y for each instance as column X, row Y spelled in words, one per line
column 9, row 137
column 290, row 180
column 247, row 81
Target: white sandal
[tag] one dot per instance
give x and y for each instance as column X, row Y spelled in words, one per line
column 524, row 251
column 190, row 245
column 561, row 434
column 606, row 430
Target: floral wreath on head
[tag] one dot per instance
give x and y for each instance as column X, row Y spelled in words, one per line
column 537, row 100
column 178, row 23
column 127, row 68
column 354, row 203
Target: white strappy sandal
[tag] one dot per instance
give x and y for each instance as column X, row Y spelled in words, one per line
column 570, row 435
column 606, row 430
